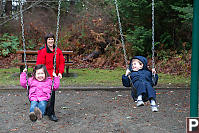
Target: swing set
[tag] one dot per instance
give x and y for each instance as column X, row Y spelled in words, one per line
column 195, row 52
column 56, row 41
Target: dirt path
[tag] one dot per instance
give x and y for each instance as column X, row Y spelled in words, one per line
column 97, row 112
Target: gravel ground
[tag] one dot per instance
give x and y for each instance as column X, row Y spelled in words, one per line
column 97, row 112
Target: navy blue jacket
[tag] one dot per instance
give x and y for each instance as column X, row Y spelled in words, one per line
column 142, row 79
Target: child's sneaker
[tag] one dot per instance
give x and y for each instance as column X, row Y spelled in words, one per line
column 154, row 108
column 32, row 116
column 38, row 113
column 140, row 103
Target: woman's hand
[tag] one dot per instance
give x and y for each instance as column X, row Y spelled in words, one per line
column 54, row 74
column 60, row 76
column 25, row 70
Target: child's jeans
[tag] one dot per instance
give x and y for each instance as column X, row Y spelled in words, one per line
column 40, row 104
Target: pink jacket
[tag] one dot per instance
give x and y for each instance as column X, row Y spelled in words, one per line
column 39, row 90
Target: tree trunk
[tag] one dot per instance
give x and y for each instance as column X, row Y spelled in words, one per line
column 8, row 7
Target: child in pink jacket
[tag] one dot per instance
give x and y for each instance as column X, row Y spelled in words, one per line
column 40, row 85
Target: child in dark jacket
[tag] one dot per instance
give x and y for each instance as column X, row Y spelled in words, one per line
column 141, row 78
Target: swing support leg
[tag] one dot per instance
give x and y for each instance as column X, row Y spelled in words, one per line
column 195, row 62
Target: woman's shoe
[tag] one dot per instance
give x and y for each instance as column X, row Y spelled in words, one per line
column 53, row 117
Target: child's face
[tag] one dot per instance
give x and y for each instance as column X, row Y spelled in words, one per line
column 136, row 65
column 40, row 75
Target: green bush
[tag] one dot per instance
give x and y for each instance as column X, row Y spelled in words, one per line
column 140, row 39
column 8, row 44
column 173, row 24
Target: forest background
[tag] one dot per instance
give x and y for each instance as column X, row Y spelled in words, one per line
column 90, row 29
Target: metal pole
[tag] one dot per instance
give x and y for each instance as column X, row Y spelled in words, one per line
column 195, row 62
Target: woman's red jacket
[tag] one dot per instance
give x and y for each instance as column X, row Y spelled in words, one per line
column 46, row 57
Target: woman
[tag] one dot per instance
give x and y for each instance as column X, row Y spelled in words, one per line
column 46, row 56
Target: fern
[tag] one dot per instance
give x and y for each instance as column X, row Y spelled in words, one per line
column 8, row 44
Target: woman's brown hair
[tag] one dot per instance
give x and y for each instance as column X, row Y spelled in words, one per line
column 49, row 35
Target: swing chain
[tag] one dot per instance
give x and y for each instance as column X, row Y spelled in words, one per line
column 24, row 45
column 121, row 34
column 56, row 41
column 153, row 42
column 18, row 13
column 153, row 34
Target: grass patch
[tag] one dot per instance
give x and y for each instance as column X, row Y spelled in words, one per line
column 91, row 77
column 94, row 77
column 168, row 80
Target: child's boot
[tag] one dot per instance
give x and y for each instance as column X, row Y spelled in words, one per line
column 32, row 116
column 139, row 101
column 154, row 107
column 38, row 113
